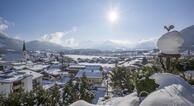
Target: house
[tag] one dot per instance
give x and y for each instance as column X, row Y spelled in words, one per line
column 37, row 67
column 93, row 67
column 93, row 76
column 73, row 69
column 36, row 77
column 12, row 81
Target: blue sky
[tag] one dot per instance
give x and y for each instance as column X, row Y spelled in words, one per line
column 83, row 20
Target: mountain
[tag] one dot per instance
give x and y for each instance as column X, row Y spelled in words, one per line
column 8, row 43
column 43, row 45
column 150, row 44
column 188, row 35
column 110, row 45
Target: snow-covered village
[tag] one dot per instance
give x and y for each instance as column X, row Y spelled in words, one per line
column 96, row 63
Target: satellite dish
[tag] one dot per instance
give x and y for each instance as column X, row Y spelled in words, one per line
column 170, row 42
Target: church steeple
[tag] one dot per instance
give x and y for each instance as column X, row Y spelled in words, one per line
column 24, row 46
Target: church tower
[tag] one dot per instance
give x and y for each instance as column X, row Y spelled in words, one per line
column 24, row 51
column 24, row 47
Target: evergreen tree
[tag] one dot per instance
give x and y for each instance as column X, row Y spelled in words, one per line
column 146, row 86
column 13, row 99
column 85, row 92
column 54, row 98
column 120, row 78
column 41, row 96
column 144, row 61
column 70, row 93
column 28, row 98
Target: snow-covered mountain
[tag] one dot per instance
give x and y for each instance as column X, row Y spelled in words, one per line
column 43, row 45
column 149, row 44
column 8, row 43
column 188, row 35
column 111, row 45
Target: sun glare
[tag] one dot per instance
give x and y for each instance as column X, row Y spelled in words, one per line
column 112, row 16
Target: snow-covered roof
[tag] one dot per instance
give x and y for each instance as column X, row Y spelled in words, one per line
column 35, row 75
column 99, row 64
column 11, row 76
column 19, row 67
column 91, row 66
column 77, row 66
column 89, row 73
column 55, row 62
column 55, row 71
column 18, row 63
column 63, row 81
column 37, row 67
column 48, row 84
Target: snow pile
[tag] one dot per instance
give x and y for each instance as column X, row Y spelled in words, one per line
column 170, row 42
column 173, row 95
column 173, row 91
column 166, row 79
column 81, row 103
column 129, row 100
column 188, row 35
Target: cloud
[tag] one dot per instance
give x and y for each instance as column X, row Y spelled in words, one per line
column 113, row 44
column 61, row 38
column 146, row 44
column 4, row 25
column 64, row 39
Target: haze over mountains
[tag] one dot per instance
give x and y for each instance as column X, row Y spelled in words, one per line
column 8, row 43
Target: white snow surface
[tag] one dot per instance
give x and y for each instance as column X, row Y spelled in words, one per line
column 129, row 100
column 173, row 95
column 82, row 103
column 166, row 79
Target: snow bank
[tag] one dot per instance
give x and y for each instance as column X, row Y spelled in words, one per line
column 173, row 95
column 173, row 91
column 166, row 79
column 81, row 103
column 129, row 100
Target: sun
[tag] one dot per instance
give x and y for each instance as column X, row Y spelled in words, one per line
column 113, row 16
